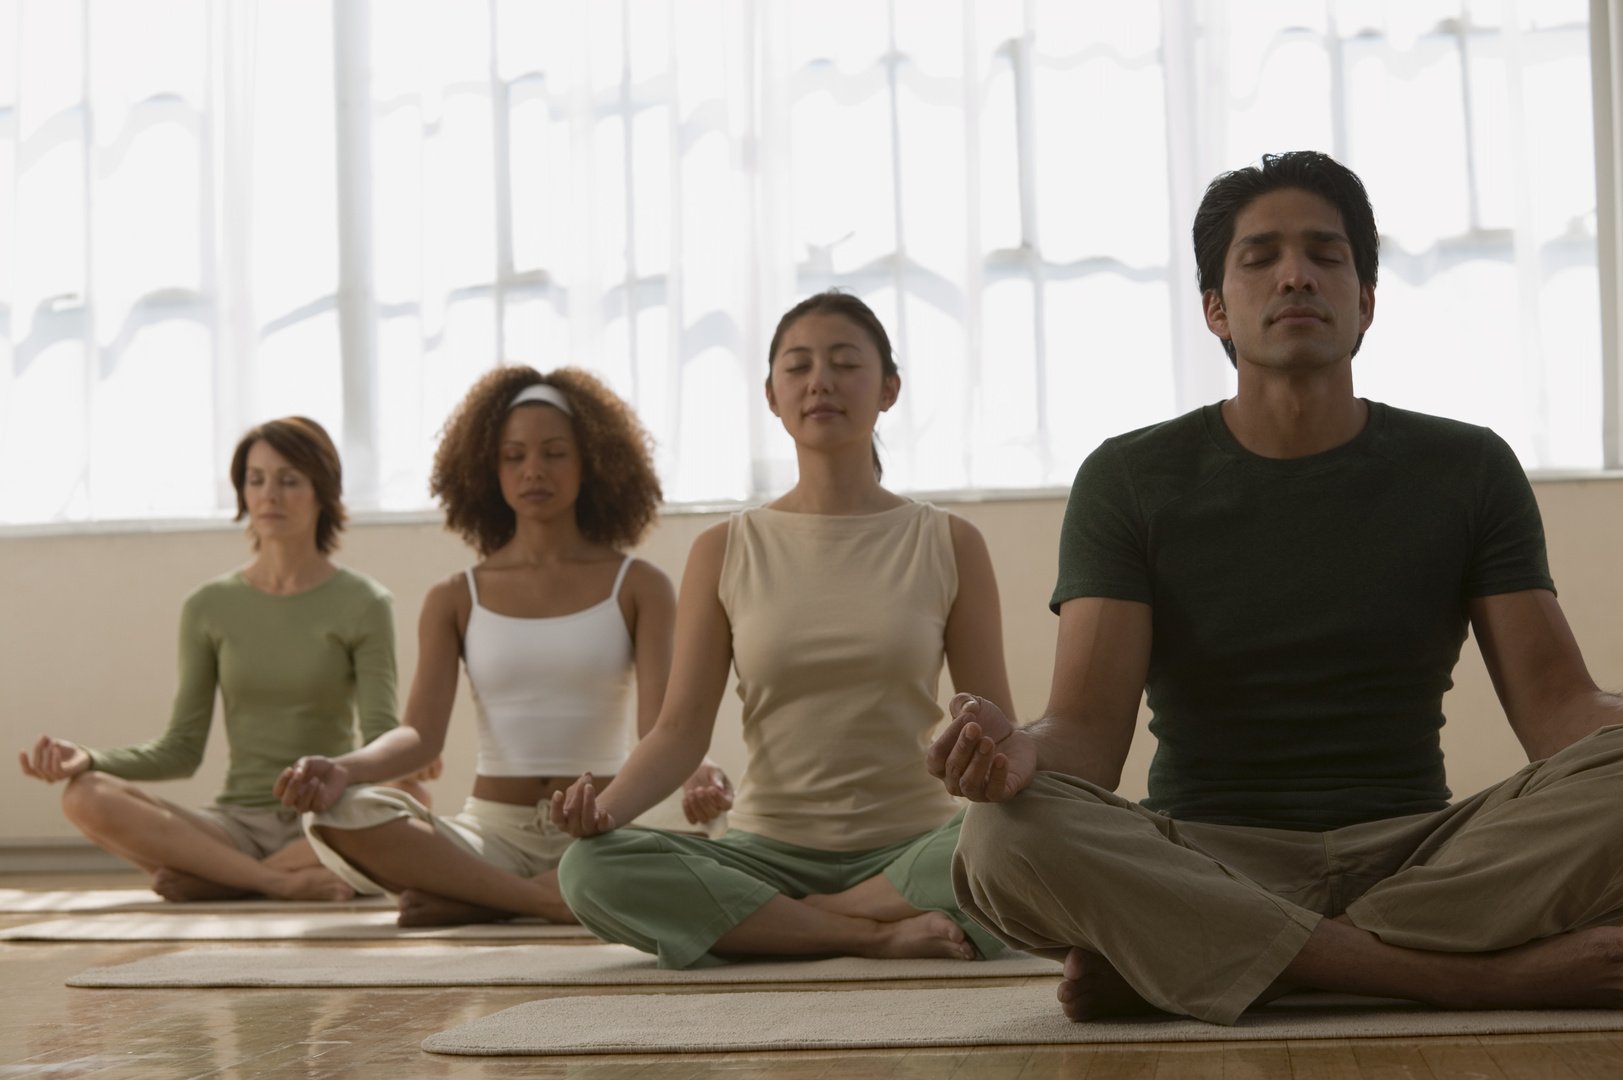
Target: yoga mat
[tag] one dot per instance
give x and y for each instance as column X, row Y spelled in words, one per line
column 513, row 965
column 64, row 901
column 296, row 926
column 888, row 1019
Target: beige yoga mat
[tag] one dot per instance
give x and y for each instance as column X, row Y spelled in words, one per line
column 295, row 926
column 512, row 965
column 984, row 1016
column 64, row 901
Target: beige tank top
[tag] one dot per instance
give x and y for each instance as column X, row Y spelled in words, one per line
column 838, row 627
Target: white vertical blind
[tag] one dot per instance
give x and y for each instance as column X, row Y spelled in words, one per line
column 351, row 209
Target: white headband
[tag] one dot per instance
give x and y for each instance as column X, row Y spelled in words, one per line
column 547, row 395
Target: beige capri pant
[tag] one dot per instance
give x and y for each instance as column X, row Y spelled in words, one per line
column 256, row 832
column 519, row 839
column 1200, row 919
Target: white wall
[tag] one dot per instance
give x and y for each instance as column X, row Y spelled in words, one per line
column 87, row 627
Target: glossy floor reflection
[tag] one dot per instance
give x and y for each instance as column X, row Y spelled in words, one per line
column 48, row 1030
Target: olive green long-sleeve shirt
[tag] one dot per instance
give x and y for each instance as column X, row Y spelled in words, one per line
column 292, row 672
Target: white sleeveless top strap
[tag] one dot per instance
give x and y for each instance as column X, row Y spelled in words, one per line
column 553, row 694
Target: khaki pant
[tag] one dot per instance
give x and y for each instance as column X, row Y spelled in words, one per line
column 1200, row 919
column 256, row 832
column 519, row 839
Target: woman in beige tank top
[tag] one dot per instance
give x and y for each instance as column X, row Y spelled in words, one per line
column 837, row 604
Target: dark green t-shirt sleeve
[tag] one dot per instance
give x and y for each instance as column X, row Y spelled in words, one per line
column 1103, row 548
column 372, row 653
column 179, row 750
column 1509, row 553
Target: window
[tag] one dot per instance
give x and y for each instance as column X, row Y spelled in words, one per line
column 349, row 210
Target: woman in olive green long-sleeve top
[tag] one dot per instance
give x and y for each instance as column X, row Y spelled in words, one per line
column 295, row 647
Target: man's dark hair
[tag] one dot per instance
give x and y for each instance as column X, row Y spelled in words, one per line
column 1307, row 170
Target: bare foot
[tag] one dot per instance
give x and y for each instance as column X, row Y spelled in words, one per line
column 1580, row 970
column 179, row 887
column 1093, row 989
column 930, row 935
column 314, row 883
column 418, row 908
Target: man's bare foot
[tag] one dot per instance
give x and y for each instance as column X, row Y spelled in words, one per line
column 930, row 935
column 1580, row 970
column 1577, row 970
column 179, row 887
column 418, row 908
column 1093, row 989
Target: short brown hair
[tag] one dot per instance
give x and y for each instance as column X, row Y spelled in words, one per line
column 619, row 491
column 309, row 449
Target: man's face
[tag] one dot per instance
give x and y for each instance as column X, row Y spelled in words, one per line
column 1291, row 300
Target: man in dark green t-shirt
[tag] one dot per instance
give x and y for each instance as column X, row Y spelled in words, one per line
column 1290, row 575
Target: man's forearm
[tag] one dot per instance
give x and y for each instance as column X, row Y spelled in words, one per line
column 1581, row 714
column 1079, row 749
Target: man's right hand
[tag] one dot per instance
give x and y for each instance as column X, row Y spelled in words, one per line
column 981, row 755
column 54, row 759
column 313, row 783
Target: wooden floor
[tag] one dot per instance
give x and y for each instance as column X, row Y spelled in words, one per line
column 49, row 1030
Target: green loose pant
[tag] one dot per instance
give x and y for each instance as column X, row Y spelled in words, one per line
column 1200, row 919
column 675, row 895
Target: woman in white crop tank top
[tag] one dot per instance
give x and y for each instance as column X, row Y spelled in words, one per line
column 837, row 604
column 547, row 478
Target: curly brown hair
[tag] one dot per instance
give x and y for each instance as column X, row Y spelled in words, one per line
column 619, row 491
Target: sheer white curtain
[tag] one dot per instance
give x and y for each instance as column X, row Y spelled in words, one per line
column 167, row 247
column 217, row 211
